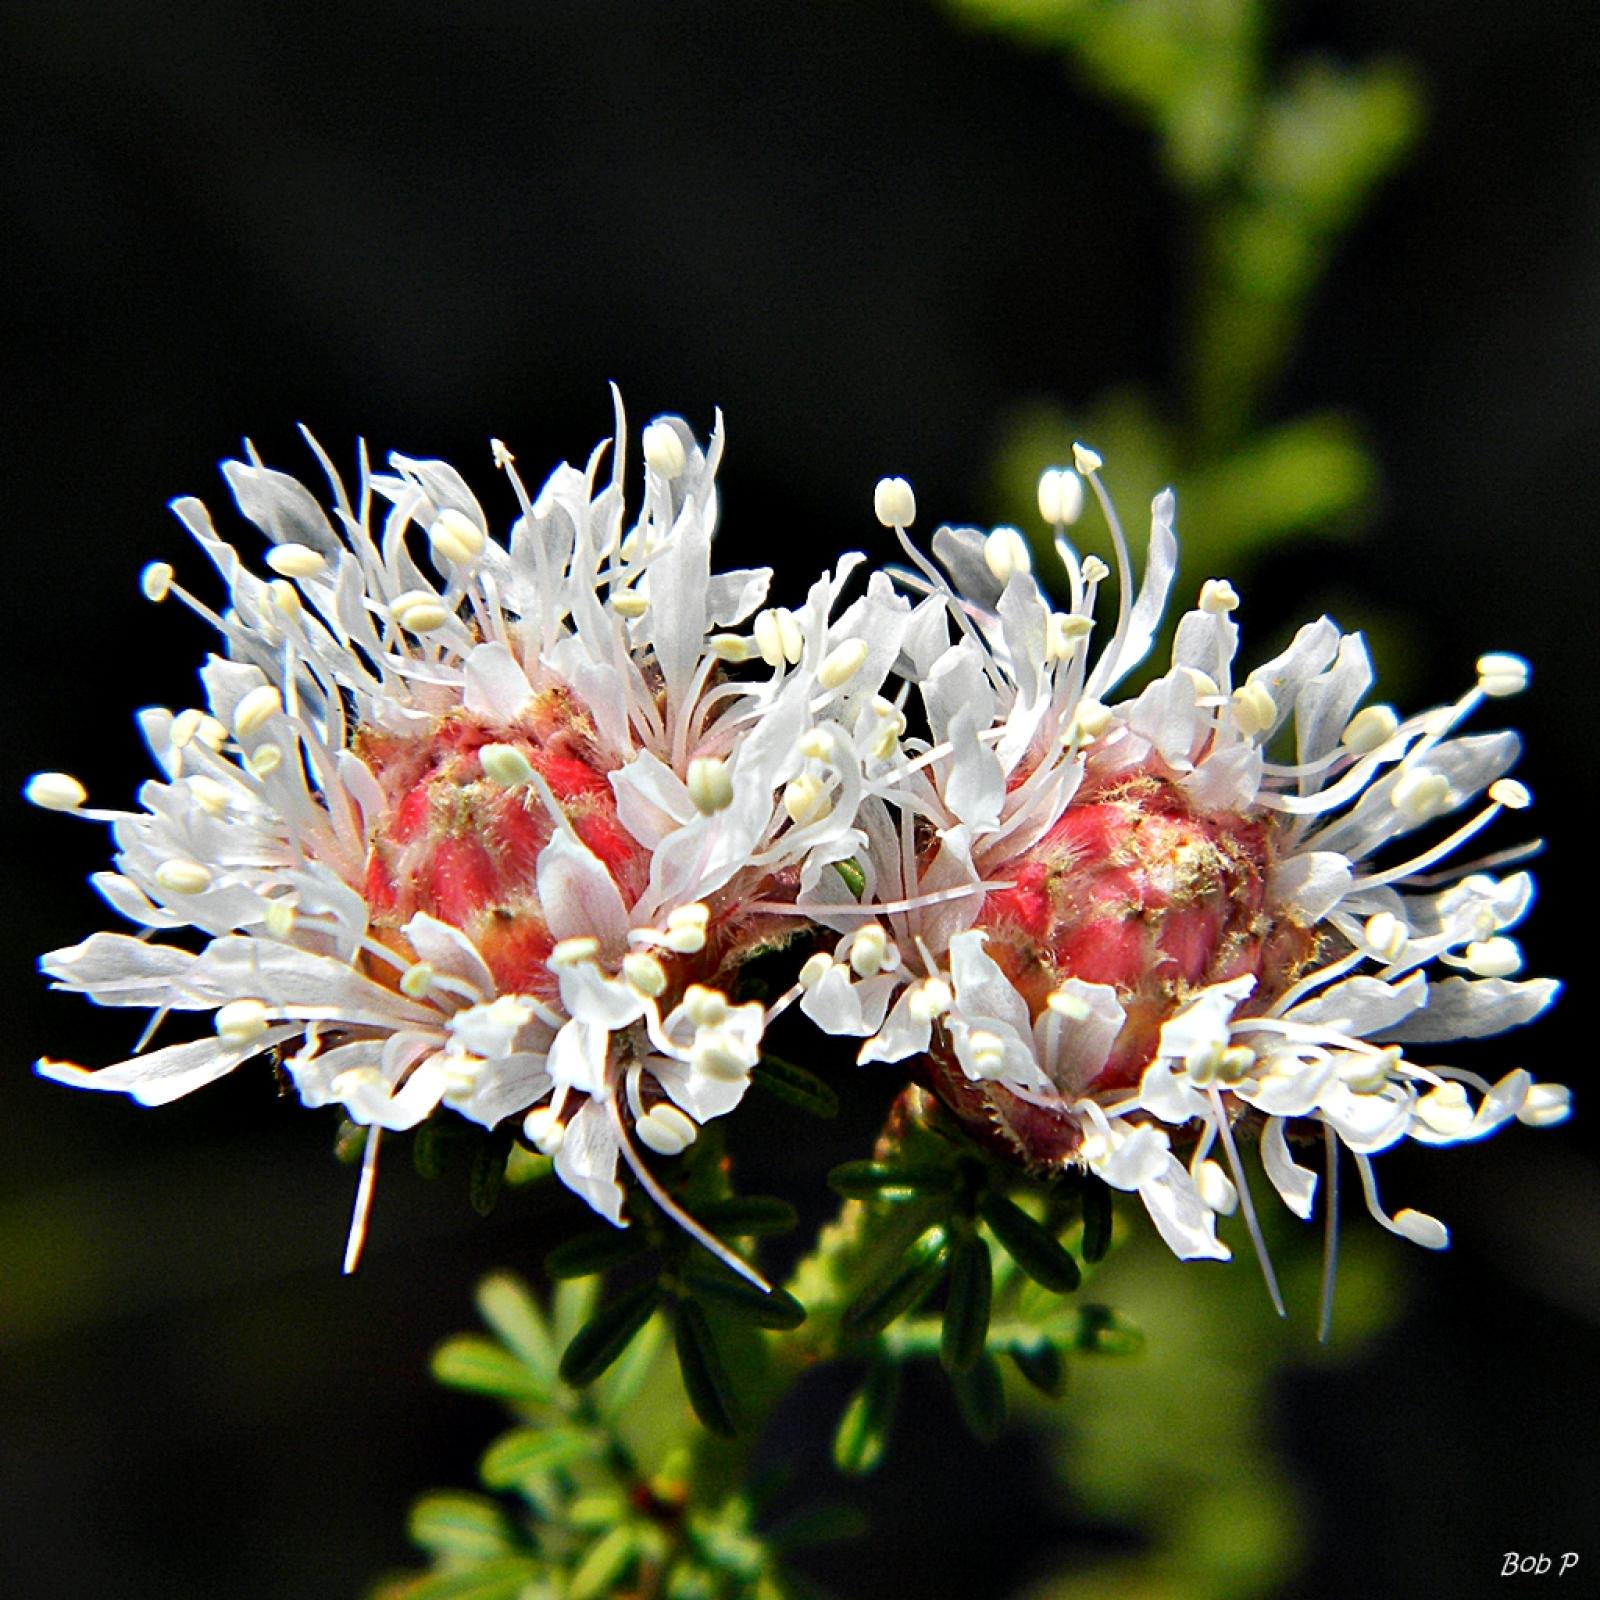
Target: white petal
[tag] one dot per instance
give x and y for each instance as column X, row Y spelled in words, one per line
column 1185, row 1222
column 587, row 1161
column 1296, row 1185
column 1361, row 1006
column 578, row 895
column 1311, row 883
column 165, row 1075
column 1472, row 1008
column 449, row 951
column 494, row 685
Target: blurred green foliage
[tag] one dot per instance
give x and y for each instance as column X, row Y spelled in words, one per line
column 1270, row 164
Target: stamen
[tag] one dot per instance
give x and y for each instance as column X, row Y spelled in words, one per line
column 1060, row 496
column 710, row 785
column 1245, row 1203
column 1330, row 1235
column 362, row 1212
column 667, row 1204
column 55, row 791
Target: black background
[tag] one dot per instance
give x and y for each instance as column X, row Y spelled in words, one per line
column 862, row 232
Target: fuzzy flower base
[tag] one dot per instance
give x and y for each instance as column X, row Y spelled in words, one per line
column 494, row 826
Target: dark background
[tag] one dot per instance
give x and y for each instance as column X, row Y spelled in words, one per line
column 862, row 232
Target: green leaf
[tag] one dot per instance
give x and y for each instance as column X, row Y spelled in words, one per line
column 466, row 1527
column 747, row 1216
column 508, row 1306
column 705, row 1376
column 525, row 1453
column 489, row 1171
column 607, row 1334
column 1029, row 1244
column 470, row 1362
column 1102, row 1332
column 981, row 1397
column 966, row 1308
column 722, row 1292
column 502, row 1579
column 863, row 1430
column 883, row 1180
column 855, row 880
column 603, row 1567
column 571, row 1306
column 783, row 1080
column 599, row 1251
column 624, row 1380
column 1096, row 1220
column 899, row 1288
column 427, row 1149
column 1045, row 1368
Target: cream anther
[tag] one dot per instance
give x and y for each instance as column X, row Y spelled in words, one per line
column 778, row 636
column 1237, row 1063
column 805, row 799
column 816, row 968
column 930, row 1000
column 1095, row 570
column 1493, row 958
column 1064, row 633
column 506, row 765
column 1086, row 460
column 1500, row 674
column 1369, row 730
column 418, row 611
column 1218, row 597
column 1205, row 686
column 1090, row 721
column 1060, row 495
column 732, row 647
column 55, row 791
column 1368, row 1073
column 819, row 744
column 988, row 1053
column 686, row 928
column 666, row 1130
column 1387, row 936
column 256, row 710
column 1420, row 1228
column 891, row 720
column 1420, row 795
column 718, row 1057
column 644, row 973
column 181, row 876
column 705, row 1008
column 663, row 449
column 211, row 796
column 264, row 760
column 1254, row 710
column 416, row 982
column 869, row 950
column 1546, row 1105
column 500, row 451
column 842, row 663
column 710, row 785
column 456, row 538
column 1509, row 793
column 893, row 503
column 279, row 918
column 156, row 580
column 542, row 1128
column 240, row 1021
column 1204, row 1062
column 1068, row 1005
column 286, row 599
column 573, row 952
column 1446, row 1110
column 1216, row 1188
column 184, row 727
column 629, row 603
column 1005, row 551
column 296, row 560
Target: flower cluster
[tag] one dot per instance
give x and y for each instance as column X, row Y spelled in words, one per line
column 494, row 826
